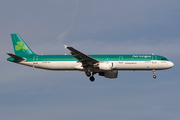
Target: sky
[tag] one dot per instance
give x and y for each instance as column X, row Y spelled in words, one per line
column 92, row 27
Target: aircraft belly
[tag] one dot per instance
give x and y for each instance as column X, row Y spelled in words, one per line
column 27, row 63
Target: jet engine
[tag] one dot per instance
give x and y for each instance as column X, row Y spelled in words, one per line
column 106, row 66
column 109, row 74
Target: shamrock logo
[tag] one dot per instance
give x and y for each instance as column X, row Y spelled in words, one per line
column 20, row 46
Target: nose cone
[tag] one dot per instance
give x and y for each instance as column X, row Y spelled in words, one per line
column 170, row 64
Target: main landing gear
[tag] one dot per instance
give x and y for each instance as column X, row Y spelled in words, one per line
column 154, row 76
column 92, row 77
column 88, row 74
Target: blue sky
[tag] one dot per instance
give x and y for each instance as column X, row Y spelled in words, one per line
column 93, row 27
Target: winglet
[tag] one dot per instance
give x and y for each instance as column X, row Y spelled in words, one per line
column 65, row 46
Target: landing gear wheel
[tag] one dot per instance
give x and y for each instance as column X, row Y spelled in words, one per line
column 92, row 79
column 154, row 76
column 88, row 74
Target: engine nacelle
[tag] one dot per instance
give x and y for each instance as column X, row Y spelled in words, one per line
column 109, row 74
column 106, row 66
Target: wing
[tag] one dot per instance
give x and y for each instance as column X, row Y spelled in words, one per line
column 83, row 58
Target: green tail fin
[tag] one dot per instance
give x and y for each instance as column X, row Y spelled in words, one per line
column 20, row 47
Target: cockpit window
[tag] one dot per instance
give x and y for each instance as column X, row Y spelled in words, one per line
column 163, row 59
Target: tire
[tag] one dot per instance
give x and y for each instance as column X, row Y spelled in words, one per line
column 154, row 76
column 92, row 79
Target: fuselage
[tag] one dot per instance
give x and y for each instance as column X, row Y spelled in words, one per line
column 120, row 62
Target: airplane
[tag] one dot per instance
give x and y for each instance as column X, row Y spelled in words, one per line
column 104, row 65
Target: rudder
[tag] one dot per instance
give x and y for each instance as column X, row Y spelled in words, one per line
column 20, row 47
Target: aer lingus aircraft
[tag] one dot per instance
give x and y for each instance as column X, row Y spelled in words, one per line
column 104, row 65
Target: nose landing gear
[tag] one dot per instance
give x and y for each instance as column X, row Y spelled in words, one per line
column 154, row 76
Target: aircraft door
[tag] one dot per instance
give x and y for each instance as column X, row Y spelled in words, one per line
column 35, row 60
column 120, row 59
column 154, row 59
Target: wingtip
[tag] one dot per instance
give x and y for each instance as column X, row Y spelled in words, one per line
column 9, row 54
column 65, row 46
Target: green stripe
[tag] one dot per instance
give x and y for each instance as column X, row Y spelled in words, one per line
column 98, row 57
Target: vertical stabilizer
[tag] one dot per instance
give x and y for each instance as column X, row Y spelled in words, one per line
column 20, row 47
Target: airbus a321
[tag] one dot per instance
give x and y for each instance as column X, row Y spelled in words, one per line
column 104, row 65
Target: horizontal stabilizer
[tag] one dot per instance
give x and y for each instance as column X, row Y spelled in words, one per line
column 16, row 57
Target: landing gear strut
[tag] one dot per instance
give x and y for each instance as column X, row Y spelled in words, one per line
column 154, row 76
column 88, row 74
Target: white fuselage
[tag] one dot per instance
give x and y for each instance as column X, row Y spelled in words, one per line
column 119, row 65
